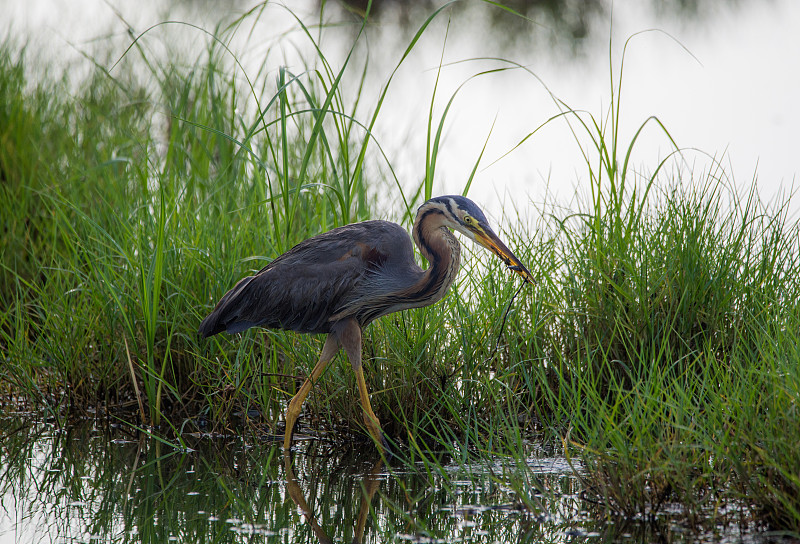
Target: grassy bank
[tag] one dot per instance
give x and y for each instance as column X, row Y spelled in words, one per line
column 661, row 345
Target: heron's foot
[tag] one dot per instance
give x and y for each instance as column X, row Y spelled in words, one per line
column 377, row 434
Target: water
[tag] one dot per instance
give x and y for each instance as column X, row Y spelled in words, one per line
column 85, row 484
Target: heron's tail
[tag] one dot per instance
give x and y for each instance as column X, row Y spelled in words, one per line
column 227, row 314
column 211, row 325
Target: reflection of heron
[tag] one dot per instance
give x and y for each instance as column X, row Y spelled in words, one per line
column 339, row 281
column 370, row 482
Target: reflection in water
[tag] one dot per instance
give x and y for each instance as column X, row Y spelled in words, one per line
column 92, row 485
column 88, row 484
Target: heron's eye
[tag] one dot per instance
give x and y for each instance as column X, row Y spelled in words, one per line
column 468, row 220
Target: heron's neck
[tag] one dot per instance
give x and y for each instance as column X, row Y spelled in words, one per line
column 441, row 249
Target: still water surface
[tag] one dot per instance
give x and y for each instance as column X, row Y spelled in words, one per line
column 90, row 485
column 87, row 485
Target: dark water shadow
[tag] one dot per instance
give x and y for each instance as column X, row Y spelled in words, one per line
column 570, row 26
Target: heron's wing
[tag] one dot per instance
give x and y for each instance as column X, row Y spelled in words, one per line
column 301, row 289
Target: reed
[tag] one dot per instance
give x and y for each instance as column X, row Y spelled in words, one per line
column 674, row 304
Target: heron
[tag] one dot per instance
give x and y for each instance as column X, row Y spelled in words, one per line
column 338, row 282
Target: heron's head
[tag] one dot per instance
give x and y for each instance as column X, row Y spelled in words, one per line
column 461, row 214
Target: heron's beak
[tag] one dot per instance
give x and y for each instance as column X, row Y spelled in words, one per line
column 488, row 239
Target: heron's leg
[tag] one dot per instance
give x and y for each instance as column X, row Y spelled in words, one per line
column 328, row 352
column 350, row 337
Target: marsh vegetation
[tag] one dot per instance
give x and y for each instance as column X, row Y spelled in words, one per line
column 658, row 351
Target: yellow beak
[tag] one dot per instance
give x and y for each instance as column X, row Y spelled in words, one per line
column 488, row 239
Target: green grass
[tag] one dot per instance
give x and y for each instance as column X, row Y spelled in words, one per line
column 660, row 346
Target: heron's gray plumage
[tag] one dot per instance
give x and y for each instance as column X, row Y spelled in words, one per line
column 334, row 273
